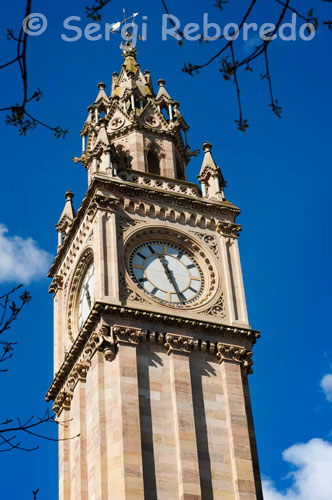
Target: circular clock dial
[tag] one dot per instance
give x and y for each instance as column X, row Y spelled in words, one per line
column 86, row 296
column 166, row 272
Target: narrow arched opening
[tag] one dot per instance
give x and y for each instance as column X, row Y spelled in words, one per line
column 153, row 162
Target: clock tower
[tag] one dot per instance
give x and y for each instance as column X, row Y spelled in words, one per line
column 152, row 345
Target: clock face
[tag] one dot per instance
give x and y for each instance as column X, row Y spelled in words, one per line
column 86, row 296
column 166, row 272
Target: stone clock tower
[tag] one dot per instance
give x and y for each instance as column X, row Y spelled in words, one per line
column 152, row 345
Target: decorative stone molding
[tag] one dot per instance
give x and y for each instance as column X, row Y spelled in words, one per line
column 235, row 354
column 128, row 293
column 62, row 401
column 106, row 203
column 229, row 229
column 190, row 244
column 78, row 371
column 86, row 212
column 106, row 340
column 178, row 343
column 57, row 284
column 209, row 240
column 144, row 178
column 218, row 309
column 124, row 222
column 123, row 335
column 83, row 264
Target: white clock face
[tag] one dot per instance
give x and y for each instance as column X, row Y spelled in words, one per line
column 166, row 272
column 86, row 296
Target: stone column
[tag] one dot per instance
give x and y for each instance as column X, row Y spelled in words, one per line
column 96, row 430
column 78, row 447
column 106, row 251
column 230, row 297
column 58, row 330
column 235, row 263
column 179, row 348
column 124, row 451
column 238, row 426
column 64, row 454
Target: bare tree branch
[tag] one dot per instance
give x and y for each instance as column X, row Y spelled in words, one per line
column 9, row 313
column 18, row 116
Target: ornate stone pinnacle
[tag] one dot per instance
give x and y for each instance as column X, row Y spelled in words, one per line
column 161, row 82
column 207, row 146
column 101, row 86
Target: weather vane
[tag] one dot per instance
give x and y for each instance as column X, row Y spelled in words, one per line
column 116, row 26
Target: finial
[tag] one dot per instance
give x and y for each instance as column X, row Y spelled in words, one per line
column 176, row 104
column 207, row 146
column 161, row 82
column 69, row 195
column 101, row 86
column 115, row 73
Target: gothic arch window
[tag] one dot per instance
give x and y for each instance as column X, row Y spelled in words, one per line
column 153, row 162
column 123, row 158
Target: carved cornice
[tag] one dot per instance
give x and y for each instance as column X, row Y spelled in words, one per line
column 235, row 354
column 78, row 372
column 100, row 309
column 105, row 203
column 123, row 335
column 108, row 340
column 57, row 284
column 178, row 343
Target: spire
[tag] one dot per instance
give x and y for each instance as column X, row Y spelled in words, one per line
column 210, row 176
column 68, row 212
column 133, row 127
column 162, row 92
column 101, row 97
column 66, row 218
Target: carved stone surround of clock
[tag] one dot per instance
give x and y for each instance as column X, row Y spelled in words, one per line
column 170, row 267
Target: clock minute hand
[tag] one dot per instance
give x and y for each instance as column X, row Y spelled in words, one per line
column 169, row 275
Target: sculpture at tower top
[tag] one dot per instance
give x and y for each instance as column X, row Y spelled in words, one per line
column 135, row 127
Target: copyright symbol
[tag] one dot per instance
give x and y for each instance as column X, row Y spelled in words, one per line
column 34, row 24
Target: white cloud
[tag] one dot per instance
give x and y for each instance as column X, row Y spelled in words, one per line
column 326, row 385
column 312, row 477
column 21, row 260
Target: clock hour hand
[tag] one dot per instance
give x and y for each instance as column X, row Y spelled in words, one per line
column 170, row 276
column 87, row 294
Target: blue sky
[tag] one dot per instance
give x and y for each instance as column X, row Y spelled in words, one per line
column 278, row 173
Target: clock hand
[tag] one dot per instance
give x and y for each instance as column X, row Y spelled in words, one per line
column 170, row 276
column 87, row 294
